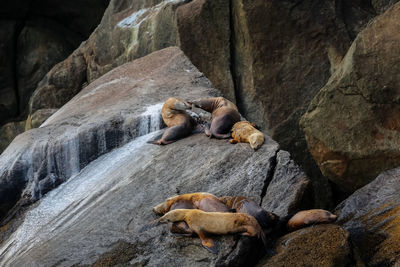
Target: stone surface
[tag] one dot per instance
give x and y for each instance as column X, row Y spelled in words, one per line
column 9, row 131
column 352, row 125
column 320, row 245
column 8, row 100
column 117, row 111
column 372, row 216
column 38, row 118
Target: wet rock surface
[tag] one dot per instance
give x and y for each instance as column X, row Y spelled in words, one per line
column 372, row 215
column 351, row 126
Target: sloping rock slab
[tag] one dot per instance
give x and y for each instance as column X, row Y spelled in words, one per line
column 352, row 126
column 108, row 113
column 321, row 245
column 97, row 213
column 372, row 216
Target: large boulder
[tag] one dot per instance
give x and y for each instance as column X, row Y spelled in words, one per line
column 352, row 125
column 117, row 111
column 321, row 245
column 372, row 216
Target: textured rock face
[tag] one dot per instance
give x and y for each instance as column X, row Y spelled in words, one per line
column 103, row 116
column 8, row 131
column 123, row 185
column 372, row 216
column 35, row 36
column 352, row 125
column 321, row 245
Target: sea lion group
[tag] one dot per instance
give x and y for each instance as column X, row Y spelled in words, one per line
column 225, row 118
column 204, row 215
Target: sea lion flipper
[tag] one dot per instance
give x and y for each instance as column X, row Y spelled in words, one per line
column 233, row 141
column 208, row 243
column 150, row 225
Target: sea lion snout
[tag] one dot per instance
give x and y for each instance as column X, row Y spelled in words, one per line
column 160, row 209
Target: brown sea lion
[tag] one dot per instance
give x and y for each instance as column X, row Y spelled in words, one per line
column 224, row 114
column 198, row 200
column 244, row 204
column 245, row 132
column 180, row 123
column 309, row 217
column 217, row 223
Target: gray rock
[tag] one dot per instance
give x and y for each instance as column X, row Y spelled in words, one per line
column 371, row 215
column 104, row 202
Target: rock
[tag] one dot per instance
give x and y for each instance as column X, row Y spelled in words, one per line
column 289, row 190
column 60, row 84
column 371, row 215
column 382, row 5
column 38, row 118
column 8, row 100
column 116, row 112
column 320, row 245
column 9, row 131
column 41, row 44
column 351, row 126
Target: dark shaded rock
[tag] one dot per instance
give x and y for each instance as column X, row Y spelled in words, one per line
column 41, row 44
column 38, row 118
column 321, row 245
column 8, row 100
column 123, row 185
column 9, row 131
column 288, row 190
column 352, row 125
column 372, row 216
column 60, row 84
column 382, row 5
column 204, row 31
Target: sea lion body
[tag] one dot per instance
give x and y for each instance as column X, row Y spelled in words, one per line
column 180, row 123
column 245, row 132
column 244, row 204
column 218, row 223
column 224, row 114
column 309, row 217
column 198, row 200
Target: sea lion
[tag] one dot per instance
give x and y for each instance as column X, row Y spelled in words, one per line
column 218, row 223
column 245, row 132
column 244, row 204
column 309, row 217
column 199, row 200
column 224, row 114
column 180, row 123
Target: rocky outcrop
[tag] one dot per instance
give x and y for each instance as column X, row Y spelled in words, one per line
column 117, row 111
column 35, row 36
column 372, row 216
column 352, row 125
column 321, row 245
column 8, row 131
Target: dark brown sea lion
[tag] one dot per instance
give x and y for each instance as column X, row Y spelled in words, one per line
column 244, row 204
column 245, row 132
column 180, row 123
column 309, row 217
column 224, row 114
column 217, row 223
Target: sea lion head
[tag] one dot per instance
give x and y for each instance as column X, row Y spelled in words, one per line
column 174, row 215
column 178, row 104
column 160, row 208
column 256, row 140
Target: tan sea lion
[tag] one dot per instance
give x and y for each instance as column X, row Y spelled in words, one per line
column 180, row 123
column 198, row 200
column 245, row 132
column 244, row 204
column 217, row 223
column 224, row 114
column 309, row 217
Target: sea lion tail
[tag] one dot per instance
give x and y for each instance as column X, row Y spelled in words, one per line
column 150, row 225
